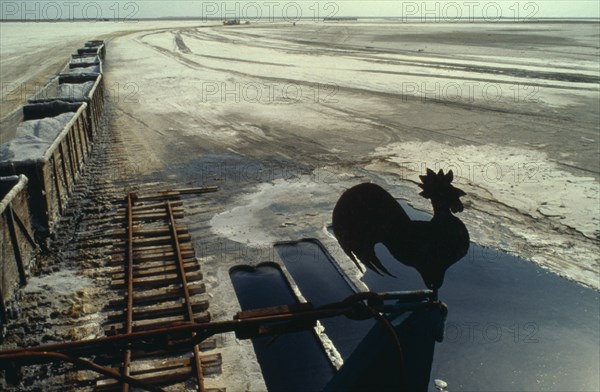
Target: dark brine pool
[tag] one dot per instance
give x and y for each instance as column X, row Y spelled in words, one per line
column 512, row 326
column 290, row 362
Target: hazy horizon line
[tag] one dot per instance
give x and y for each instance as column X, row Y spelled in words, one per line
column 333, row 19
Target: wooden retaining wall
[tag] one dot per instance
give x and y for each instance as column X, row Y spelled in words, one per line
column 34, row 192
column 94, row 99
column 17, row 245
column 53, row 175
column 69, row 71
column 97, row 44
column 76, row 61
column 91, row 51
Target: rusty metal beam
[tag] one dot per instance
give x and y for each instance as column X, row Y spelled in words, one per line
column 186, row 292
column 177, row 192
column 143, row 339
column 80, row 363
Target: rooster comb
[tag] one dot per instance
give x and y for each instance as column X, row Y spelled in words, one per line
column 436, row 184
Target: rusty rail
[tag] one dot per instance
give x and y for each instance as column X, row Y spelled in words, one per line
column 129, row 321
column 48, row 356
column 186, row 292
column 155, row 259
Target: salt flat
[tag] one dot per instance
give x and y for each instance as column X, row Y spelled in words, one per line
column 30, row 53
column 519, row 130
column 284, row 118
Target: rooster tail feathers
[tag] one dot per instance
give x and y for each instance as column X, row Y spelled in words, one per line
column 372, row 262
column 381, row 268
column 366, row 259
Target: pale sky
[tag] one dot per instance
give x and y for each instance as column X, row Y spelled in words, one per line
column 428, row 10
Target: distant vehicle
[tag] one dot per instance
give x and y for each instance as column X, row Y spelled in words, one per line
column 340, row 19
column 231, row 22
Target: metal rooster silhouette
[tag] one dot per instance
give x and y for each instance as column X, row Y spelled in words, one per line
column 366, row 215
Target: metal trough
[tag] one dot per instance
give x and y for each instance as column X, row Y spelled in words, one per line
column 53, row 172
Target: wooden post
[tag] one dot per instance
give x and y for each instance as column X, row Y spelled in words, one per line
column 16, row 248
column 45, row 194
column 71, row 159
column 83, row 125
column 64, row 166
column 77, row 130
column 57, row 183
column 3, row 316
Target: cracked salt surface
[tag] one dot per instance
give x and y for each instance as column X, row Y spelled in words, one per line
column 257, row 220
column 517, row 200
column 524, row 179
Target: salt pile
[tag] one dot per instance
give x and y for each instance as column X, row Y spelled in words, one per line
column 84, row 70
column 85, row 60
column 74, row 91
column 33, row 138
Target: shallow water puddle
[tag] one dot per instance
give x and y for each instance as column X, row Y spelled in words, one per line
column 291, row 362
column 321, row 282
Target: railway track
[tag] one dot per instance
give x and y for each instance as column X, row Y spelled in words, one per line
column 160, row 278
column 128, row 231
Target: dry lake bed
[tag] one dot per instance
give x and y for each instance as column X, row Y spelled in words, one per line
column 284, row 118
